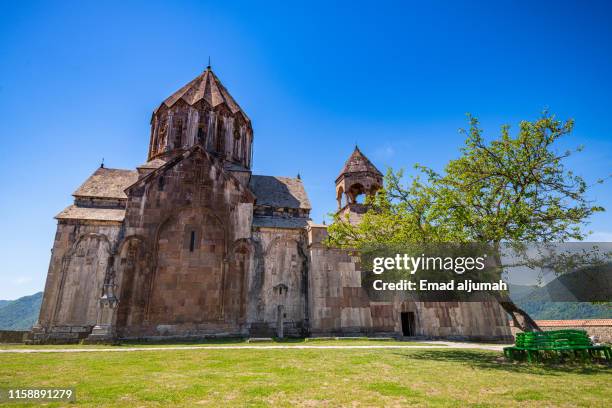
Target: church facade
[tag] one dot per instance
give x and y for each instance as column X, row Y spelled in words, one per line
column 192, row 244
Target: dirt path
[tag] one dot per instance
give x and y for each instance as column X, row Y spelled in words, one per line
column 429, row 345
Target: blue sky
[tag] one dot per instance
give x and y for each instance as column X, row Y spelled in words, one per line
column 79, row 80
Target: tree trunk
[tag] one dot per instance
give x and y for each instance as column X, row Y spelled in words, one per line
column 526, row 323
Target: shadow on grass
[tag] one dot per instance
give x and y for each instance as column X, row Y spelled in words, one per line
column 492, row 361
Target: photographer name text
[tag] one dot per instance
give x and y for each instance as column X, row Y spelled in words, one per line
column 425, row 285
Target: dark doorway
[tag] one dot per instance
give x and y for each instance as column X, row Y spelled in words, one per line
column 408, row 324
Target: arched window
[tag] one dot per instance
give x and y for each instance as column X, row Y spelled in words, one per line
column 340, row 198
column 356, row 193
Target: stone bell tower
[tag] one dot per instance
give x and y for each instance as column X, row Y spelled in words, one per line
column 359, row 178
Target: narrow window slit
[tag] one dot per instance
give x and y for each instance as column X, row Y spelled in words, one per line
column 192, row 242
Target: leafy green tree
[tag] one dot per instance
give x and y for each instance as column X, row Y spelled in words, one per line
column 511, row 190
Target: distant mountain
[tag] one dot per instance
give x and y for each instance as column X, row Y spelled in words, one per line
column 532, row 300
column 20, row 314
column 518, row 292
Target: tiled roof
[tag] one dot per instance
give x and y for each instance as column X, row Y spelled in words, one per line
column 573, row 323
column 207, row 87
column 93, row 214
column 358, row 163
column 152, row 164
column 316, row 225
column 280, row 222
column 107, row 183
column 280, row 192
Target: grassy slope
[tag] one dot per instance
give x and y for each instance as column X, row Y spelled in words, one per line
column 565, row 310
column 307, row 377
column 533, row 300
column 20, row 314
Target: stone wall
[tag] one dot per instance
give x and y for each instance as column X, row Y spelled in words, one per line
column 277, row 295
column 189, row 218
column 340, row 306
column 80, row 259
column 12, row 336
column 475, row 321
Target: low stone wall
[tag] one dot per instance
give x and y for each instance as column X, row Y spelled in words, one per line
column 12, row 336
column 58, row 335
column 600, row 328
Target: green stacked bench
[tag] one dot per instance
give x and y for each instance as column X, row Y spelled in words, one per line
column 556, row 345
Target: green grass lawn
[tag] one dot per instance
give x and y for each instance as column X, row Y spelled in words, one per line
column 228, row 342
column 290, row 377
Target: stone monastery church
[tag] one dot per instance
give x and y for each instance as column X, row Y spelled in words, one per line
column 192, row 244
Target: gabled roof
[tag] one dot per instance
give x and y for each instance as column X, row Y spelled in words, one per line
column 107, row 183
column 207, row 87
column 185, row 155
column 280, row 192
column 74, row 212
column 358, row 163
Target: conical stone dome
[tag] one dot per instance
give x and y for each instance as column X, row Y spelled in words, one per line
column 358, row 163
column 205, row 87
